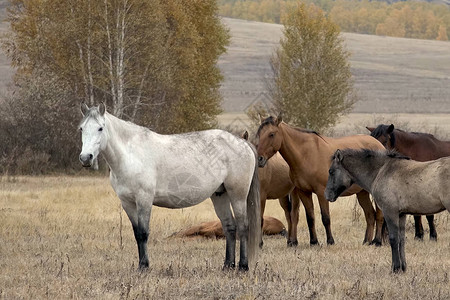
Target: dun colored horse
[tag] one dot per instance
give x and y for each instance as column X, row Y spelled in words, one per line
column 399, row 185
column 307, row 154
column 418, row 146
column 213, row 229
column 275, row 183
column 177, row 171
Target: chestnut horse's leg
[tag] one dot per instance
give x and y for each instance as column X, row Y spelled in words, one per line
column 287, row 207
column 263, row 208
column 325, row 211
column 419, row 227
column 433, row 233
column 379, row 232
column 295, row 207
column 369, row 213
column 306, row 199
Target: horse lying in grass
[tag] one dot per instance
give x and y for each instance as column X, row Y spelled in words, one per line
column 400, row 186
column 307, row 154
column 275, row 183
column 418, row 146
column 177, row 171
column 213, row 229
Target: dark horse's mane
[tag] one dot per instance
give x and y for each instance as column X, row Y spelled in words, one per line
column 381, row 129
column 271, row 120
column 367, row 153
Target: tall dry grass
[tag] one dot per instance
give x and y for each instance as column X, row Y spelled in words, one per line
column 66, row 237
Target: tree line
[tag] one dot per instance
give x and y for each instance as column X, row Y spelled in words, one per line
column 408, row 19
column 152, row 62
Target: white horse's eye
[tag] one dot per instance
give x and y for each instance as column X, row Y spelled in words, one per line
column 81, row 129
column 100, row 129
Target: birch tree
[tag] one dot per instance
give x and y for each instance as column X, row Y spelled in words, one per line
column 152, row 62
column 143, row 58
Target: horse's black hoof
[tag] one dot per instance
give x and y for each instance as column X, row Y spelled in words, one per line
column 228, row 267
column 292, row 243
column 330, row 241
column 243, row 267
column 376, row 242
column 398, row 270
column 261, row 244
column 419, row 238
column 314, row 242
column 433, row 238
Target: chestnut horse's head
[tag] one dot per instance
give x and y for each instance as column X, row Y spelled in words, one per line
column 270, row 138
column 385, row 134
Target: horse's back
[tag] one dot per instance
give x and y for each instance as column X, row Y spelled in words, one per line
column 418, row 187
column 361, row 141
column 193, row 166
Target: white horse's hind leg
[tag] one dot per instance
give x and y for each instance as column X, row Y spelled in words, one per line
column 239, row 204
column 223, row 210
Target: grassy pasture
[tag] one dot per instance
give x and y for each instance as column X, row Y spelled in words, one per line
column 67, row 237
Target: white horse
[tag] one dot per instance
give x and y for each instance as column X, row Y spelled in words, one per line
column 177, row 171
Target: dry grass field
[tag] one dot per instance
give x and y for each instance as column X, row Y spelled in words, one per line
column 67, row 238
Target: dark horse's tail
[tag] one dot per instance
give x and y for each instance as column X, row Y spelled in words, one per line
column 254, row 215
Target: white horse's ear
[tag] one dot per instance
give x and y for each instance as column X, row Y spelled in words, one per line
column 245, row 135
column 279, row 119
column 370, row 128
column 102, row 108
column 338, row 155
column 84, row 108
column 390, row 128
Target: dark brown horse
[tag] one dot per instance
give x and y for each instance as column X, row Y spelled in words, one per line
column 418, row 146
column 308, row 155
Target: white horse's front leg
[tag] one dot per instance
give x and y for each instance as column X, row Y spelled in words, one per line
column 142, row 230
column 139, row 212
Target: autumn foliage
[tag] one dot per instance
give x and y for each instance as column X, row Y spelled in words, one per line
column 152, row 62
column 409, row 19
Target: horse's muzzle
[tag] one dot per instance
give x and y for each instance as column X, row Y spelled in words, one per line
column 261, row 161
column 86, row 160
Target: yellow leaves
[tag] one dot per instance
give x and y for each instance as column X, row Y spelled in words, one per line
column 401, row 19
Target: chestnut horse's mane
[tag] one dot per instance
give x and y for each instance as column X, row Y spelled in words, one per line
column 271, row 120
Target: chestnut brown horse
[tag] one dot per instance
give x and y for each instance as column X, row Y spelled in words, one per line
column 418, row 146
column 275, row 183
column 213, row 229
column 308, row 156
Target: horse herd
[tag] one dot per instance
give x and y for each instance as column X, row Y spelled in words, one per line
column 288, row 163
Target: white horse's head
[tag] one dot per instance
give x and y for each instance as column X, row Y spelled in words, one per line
column 93, row 133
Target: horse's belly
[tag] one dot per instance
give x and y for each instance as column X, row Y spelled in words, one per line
column 184, row 190
column 427, row 208
column 180, row 199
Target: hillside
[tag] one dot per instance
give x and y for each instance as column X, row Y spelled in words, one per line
column 392, row 75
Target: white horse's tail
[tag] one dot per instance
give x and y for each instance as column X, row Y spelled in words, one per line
column 254, row 217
